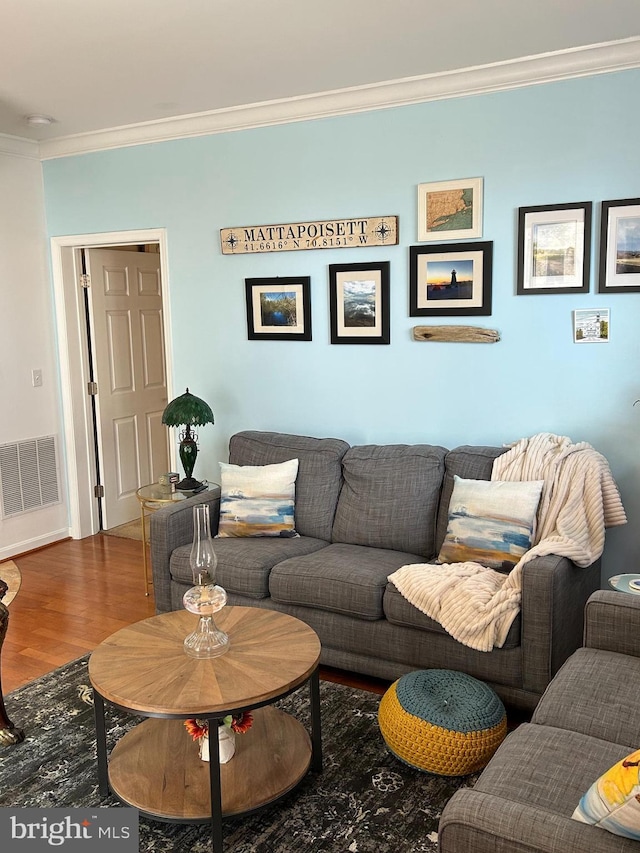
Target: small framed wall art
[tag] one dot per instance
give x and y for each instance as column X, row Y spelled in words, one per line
column 450, row 210
column 591, row 326
column 554, row 242
column 278, row 309
column 359, row 303
column 620, row 246
column 450, row 280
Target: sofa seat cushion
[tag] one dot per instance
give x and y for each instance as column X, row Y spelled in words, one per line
column 524, row 798
column 548, row 767
column 399, row 611
column 348, row 579
column 390, row 497
column 606, row 708
column 244, row 564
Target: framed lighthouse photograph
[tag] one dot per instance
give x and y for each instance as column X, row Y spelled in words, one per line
column 449, row 280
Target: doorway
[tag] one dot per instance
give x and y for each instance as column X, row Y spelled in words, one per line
column 103, row 442
column 123, row 299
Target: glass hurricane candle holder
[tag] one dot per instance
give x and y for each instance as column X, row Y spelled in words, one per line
column 204, row 598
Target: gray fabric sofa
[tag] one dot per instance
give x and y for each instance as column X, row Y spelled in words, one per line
column 586, row 721
column 362, row 512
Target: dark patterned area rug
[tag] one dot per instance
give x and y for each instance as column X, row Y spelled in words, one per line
column 365, row 801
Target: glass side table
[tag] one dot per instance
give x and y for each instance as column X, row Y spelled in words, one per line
column 626, row 583
column 151, row 498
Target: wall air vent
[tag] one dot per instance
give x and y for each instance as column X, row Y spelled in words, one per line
column 28, row 475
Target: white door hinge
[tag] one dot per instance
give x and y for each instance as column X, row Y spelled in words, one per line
column 92, row 388
column 85, row 280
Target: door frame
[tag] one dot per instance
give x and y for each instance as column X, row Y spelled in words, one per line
column 71, row 328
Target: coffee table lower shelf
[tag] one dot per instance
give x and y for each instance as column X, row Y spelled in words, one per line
column 156, row 768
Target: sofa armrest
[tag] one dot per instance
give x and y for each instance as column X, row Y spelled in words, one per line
column 612, row 622
column 171, row 527
column 554, row 594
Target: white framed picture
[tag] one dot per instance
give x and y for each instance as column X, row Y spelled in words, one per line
column 450, row 210
column 591, row 326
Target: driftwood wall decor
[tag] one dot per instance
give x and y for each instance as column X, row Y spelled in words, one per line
column 456, row 334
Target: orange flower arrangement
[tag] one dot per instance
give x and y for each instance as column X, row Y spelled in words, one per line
column 196, row 728
column 242, row 723
column 239, row 723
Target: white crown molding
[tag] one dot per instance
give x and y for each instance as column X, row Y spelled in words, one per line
column 498, row 76
column 16, row 146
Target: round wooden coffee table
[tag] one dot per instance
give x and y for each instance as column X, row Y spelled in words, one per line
column 155, row 767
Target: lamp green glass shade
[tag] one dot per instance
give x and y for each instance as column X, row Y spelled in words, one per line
column 188, row 410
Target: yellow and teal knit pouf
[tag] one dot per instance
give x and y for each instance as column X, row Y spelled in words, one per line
column 442, row 721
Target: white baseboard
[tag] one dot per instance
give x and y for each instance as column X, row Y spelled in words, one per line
column 32, row 544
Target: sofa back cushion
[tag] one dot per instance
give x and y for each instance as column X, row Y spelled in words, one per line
column 390, row 497
column 319, row 472
column 470, row 463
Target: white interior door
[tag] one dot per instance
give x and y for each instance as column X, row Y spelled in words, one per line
column 130, row 369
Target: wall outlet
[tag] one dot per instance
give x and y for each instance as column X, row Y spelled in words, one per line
column 36, row 378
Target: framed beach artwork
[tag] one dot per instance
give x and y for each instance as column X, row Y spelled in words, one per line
column 359, row 303
column 278, row 309
column 620, row 246
column 450, row 280
column 450, row 210
column 554, row 243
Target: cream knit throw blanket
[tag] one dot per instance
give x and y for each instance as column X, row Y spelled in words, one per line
column 477, row 605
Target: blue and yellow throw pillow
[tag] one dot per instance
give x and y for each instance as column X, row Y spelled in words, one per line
column 258, row 500
column 491, row 522
column 612, row 802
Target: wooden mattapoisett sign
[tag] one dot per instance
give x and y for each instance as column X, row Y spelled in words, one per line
column 327, row 234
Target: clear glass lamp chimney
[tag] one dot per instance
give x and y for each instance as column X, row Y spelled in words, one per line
column 204, row 598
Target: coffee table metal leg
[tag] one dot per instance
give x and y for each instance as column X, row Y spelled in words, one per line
column 316, row 727
column 101, row 743
column 216, row 788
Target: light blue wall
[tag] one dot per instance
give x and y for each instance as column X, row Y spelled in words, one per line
column 546, row 144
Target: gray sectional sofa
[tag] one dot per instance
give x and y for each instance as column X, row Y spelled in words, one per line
column 362, row 512
column 586, row 721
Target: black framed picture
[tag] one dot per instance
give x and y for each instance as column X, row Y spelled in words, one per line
column 449, row 280
column 620, row 246
column 279, row 309
column 359, row 303
column 554, row 243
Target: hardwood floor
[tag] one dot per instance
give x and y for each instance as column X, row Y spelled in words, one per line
column 73, row 595
column 76, row 593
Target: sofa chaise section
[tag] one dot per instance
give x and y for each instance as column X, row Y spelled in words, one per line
column 585, row 723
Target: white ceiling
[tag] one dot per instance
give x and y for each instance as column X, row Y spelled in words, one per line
column 97, row 64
